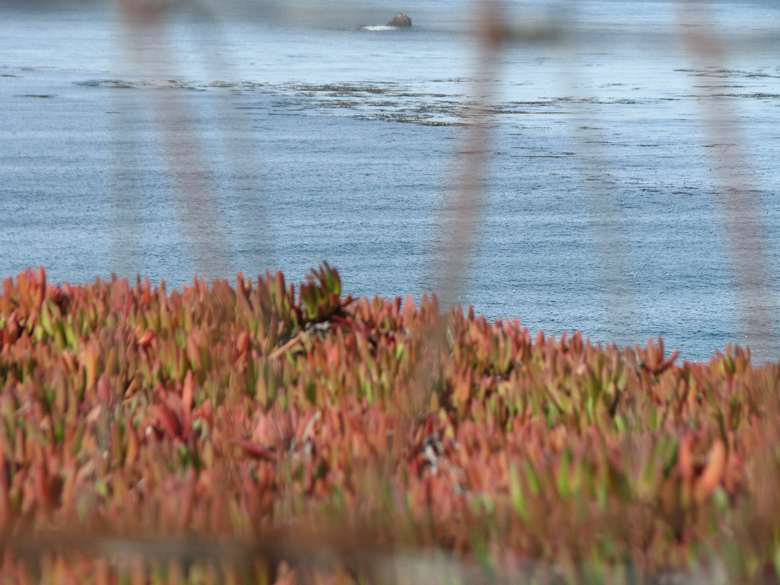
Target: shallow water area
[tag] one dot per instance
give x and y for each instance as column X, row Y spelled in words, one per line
column 602, row 210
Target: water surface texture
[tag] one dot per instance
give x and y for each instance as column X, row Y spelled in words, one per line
column 297, row 144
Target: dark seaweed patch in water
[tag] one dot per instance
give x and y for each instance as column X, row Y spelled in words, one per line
column 727, row 73
column 437, row 123
column 541, row 156
column 403, row 118
column 388, row 102
column 179, row 84
column 749, row 95
column 223, row 84
column 164, row 84
column 534, row 104
column 109, row 83
column 340, row 89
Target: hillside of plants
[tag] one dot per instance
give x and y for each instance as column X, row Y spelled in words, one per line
column 260, row 432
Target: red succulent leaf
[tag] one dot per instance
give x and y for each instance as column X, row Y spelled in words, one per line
column 40, row 290
column 665, row 365
column 169, row 419
column 712, row 474
column 685, row 458
column 103, row 391
column 146, row 339
column 255, row 450
column 186, row 402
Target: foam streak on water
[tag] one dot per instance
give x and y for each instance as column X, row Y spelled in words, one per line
column 348, row 137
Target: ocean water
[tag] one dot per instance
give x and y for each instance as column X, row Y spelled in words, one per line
column 269, row 138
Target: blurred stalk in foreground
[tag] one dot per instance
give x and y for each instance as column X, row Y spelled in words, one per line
column 463, row 198
column 738, row 200
column 150, row 54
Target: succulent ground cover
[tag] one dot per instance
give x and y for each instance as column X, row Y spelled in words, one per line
column 268, row 433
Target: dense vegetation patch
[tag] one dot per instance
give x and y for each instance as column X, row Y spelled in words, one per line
column 260, row 433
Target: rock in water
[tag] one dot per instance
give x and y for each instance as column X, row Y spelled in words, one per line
column 400, row 19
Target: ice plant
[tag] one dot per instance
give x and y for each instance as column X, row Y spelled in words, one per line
column 261, row 433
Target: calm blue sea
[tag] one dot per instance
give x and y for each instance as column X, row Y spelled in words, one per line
column 267, row 137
